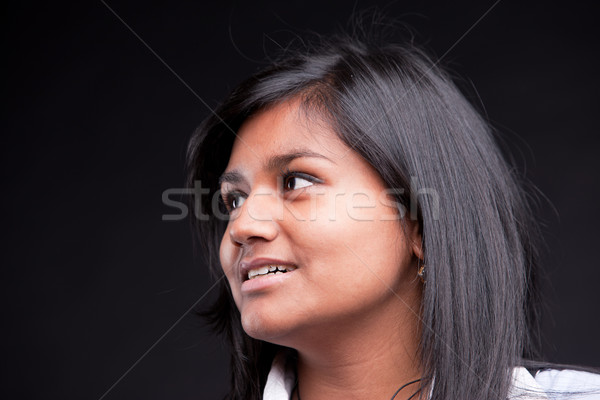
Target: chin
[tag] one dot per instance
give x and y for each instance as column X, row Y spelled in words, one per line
column 265, row 326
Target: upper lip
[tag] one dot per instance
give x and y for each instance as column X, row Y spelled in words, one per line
column 246, row 266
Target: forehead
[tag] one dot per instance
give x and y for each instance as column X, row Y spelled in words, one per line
column 280, row 129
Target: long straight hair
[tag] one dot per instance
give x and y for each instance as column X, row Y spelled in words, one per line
column 394, row 107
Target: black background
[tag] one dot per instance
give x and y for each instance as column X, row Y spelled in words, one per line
column 94, row 129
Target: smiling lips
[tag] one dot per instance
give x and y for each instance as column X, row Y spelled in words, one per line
column 263, row 266
column 267, row 270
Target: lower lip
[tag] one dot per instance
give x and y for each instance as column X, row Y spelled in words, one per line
column 264, row 282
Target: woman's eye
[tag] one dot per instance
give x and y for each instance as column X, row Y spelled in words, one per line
column 295, row 182
column 233, row 200
column 237, row 201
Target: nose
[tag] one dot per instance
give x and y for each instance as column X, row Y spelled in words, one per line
column 256, row 219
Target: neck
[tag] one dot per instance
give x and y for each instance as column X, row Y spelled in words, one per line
column 371, row 358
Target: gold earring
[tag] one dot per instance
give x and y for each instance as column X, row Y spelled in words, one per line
column 421, row 273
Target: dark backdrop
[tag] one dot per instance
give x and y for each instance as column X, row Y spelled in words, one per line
column 94, row 129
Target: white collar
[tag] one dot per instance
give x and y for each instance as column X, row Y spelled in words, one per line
column 525, row 387
column 282, row 378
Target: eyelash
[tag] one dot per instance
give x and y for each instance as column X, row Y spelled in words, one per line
column 287, row 173
column 229, row 197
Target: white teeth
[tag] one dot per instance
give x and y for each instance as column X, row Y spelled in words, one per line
column 269, row 270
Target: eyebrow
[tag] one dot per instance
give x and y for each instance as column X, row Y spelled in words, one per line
column 276, row 162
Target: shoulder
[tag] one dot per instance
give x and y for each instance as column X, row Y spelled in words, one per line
column 554, row 384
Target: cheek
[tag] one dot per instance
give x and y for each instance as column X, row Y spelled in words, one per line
column 351, row 251
column 228, row 254
column 337, row 221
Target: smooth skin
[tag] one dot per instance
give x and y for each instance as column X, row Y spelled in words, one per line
column 351, row 307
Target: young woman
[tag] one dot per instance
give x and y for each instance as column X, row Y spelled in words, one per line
column 374, row 242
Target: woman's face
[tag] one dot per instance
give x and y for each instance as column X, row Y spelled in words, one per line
column 303, row 201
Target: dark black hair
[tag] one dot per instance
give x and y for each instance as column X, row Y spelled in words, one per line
column 392, row 105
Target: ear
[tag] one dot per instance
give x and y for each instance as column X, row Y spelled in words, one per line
column 416, row 240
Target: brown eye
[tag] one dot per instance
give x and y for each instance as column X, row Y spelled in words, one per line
column 233, row 200
column 237, row 201
column 293, row 182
